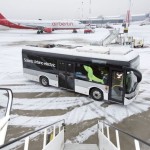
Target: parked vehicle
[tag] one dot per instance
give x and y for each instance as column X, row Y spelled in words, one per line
column 138, row 43
column 101, row 72
column 89, row 29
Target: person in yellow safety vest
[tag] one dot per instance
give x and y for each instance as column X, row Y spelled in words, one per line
column 91, row 76
column 51, row 136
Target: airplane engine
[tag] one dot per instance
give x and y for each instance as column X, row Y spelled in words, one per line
column 48, row 30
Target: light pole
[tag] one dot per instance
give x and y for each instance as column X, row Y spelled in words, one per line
column 82, row 9
column 78, row 13
column 90, row 12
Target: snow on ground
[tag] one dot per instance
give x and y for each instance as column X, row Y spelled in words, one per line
column 24, row 35
column 113, row 113
column 49, row 103
column 11, row 76
column 29, row 87
column 81, row 137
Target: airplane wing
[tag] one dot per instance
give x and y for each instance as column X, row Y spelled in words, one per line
column 34, row 26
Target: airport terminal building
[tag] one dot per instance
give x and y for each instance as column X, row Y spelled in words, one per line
column 103, row 20
column 114, row 19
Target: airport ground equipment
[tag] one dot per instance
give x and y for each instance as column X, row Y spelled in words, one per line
column 6, row 99
column 134, row 42
column 53, row 139
column 138, row 42
column 113, row 35
column 127, row 40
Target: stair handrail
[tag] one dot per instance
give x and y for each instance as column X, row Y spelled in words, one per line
column 4, row 120
column 9, row 104
column 124, row 132
column 30, row 133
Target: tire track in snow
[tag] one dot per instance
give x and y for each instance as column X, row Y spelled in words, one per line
column 55, row 107
column 40, row 121
column 27, row 120
column 34, row 87
column 94, row 108
column 48, row 103
column 84, row 135
column 103, row 112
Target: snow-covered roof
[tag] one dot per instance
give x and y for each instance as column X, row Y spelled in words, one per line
column 97, row 52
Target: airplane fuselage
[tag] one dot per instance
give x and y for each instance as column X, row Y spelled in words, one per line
column 43, row 25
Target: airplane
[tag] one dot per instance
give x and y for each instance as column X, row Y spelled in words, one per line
column 145, row 22
column 42, row 25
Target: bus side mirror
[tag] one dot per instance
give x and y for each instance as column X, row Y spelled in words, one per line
column 136, row 72
column 138, row 75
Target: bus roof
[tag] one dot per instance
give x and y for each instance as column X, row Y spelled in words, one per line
column 98, row 52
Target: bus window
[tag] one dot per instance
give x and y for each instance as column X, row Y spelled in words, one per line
column 80, row 72
column 97, row 73
column 61, row 66
column 103, row 73
column 70, row 67
column 92, row 73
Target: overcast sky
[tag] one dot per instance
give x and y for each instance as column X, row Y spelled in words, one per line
column 69, row 9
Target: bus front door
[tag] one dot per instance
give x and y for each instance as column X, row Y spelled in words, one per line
column 116, row 92
column 66, row 75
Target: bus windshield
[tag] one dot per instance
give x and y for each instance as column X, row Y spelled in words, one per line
column 131, row 82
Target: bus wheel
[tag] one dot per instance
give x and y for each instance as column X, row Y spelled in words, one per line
column 44, row 81
column 96, row 94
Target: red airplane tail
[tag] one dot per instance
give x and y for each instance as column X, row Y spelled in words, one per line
column 128, row 17
column 1, row 16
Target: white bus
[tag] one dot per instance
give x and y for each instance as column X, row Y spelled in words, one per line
column 103, row 73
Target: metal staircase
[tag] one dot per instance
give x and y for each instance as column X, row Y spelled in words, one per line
column 108, row 39
column 81, row 147
column 53, row 139
column 113, row 35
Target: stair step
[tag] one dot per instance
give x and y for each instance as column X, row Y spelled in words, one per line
column 81, row 147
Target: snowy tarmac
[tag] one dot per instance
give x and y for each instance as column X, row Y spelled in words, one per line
column 35, row 105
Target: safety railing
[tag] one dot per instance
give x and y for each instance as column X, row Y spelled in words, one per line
column 106, row 143
column 6, row 99
column 53, row 138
